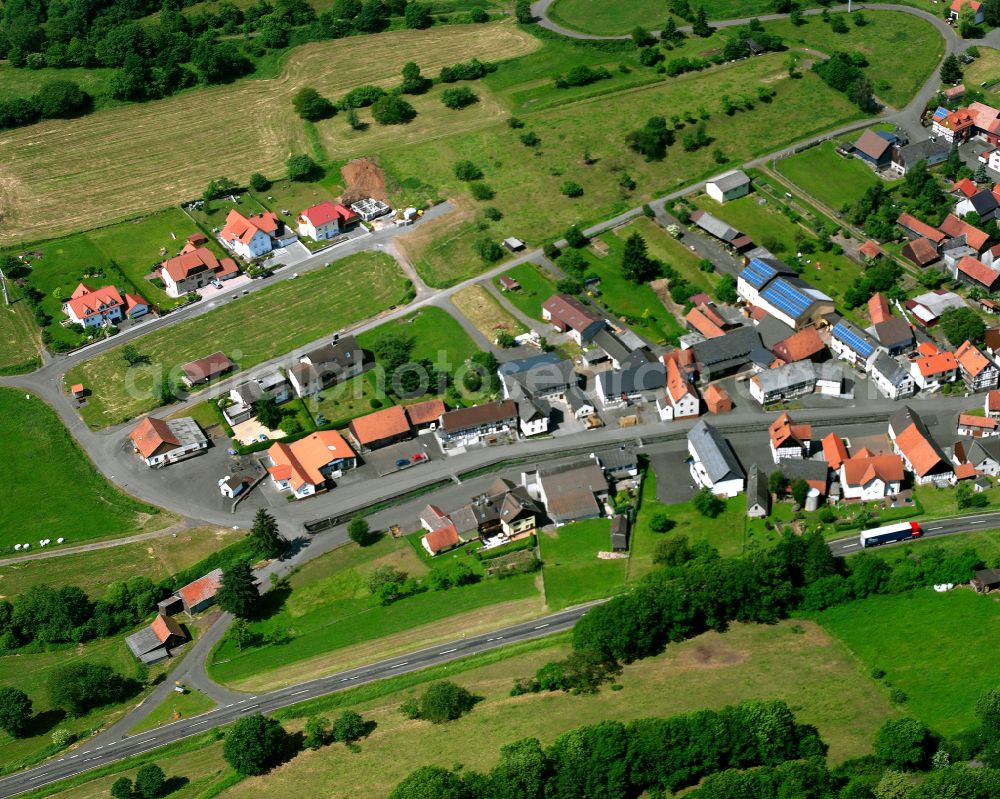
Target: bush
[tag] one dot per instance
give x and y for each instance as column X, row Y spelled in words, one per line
column 303, row 169
column 488, row 250
column 493, row 214
column 254, row 744
column 392, row 110
column 459, row 97
column 258, row 182
column 904, row 744
column 530, row 139
column 444, row 701
column 467, row 170
column 350, row 726
column 482, row 191
column 571, row 189
column 310, row 105
column 149, row 781
column 362, row 96
column 360, row 532
column 79, row 687
column 661, row 523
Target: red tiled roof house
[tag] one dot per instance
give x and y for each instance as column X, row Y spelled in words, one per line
column 200, row 594
column 193, row 269
column 92, row 307
column 325, row 220
column 304, row 467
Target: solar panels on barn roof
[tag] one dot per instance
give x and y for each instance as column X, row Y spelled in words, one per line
column 757, row 273
column 854, row 339
column 786, row 297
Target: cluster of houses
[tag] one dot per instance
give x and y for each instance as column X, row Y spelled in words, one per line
column 558, row 494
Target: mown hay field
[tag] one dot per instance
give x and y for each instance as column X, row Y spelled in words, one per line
column 60, row 176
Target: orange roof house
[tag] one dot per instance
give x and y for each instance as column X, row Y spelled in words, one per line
column 785, row 434
column 921, row 251
column 717, row 400
column 878, row 308
column 683, row 395
column 422, row 414
column 90, row 307
column 923, row 455
column 700, row 321
column 381, row 428
column 153, row 437
column 806, row 344
column 305, row 465
column 920, row 229
column 972, row 361
column 975, row 426
column 871, row 250
column 443, row 538
column 834, row 451
column 956, row 227
column 935, row 365
column 964, row 187
column 972, row 270
column 861, row 471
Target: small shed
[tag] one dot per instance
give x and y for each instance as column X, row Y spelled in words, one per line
column 153, row 643
column 169, row 606
column 619, row 534
column 512, row 244
column 981, row 483
column 230, row 487
column 986, row 580
column 77, row 390
column 508, row 283
column 728, row 186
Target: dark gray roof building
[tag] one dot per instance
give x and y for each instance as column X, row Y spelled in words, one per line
column 758, row 495
column 714, row 453
column 725, row 355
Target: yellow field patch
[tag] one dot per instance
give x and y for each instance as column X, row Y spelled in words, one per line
column 478, row 306
column 65, row 175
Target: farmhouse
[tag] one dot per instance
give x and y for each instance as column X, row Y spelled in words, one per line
column 336, row 362
column 681, row 400
column 953, row 126
column 783, row 382
column 193, row 269
column 921, row 454
column 806, row 345
column 569, row 315
column 974, row 237
column 726, row 355
column 546, row 375
column 974, row 272
column 789, row 440
column 930, row 151
column 929, row 306
column 254, row 236
column 160, row 442
column 758, row 495
column 955, row 9
column 573, row 491
column 207, row 368
column 713, row 464
column 306, row 466
column 788, row 298
column 200, row 594
column 834, row 451
column 92, row 307
column 852, row 344
column 641, row 376
column 976, row 426
column 871, row 478
column 922, row 252
column 891, row 378
column 977, row 371
column 874, row 149
column 152, row 644
column 325, row 220
column 931, row 371
column 381, row 428
column 894, row 335
column 985, row 456
column 468, row 426
column 728, row 186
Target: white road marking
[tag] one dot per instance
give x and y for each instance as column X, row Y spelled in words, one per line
column 540, row 626
column 201, row 722
column 448, row 651
column 981, row 521
column 932, row 528
column 848, row 546
column 344, row 680
column 303, row 691
column 405, row 662
column 354, row 678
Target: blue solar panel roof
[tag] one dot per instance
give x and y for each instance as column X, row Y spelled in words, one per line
column 757, row 273
column 854, row 339
column 785, row 297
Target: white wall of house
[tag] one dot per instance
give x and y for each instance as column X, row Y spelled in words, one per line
column 984, row 381
column 889, row 389
column 787, row 452
column 873, row 490
column 989, row 466
column 534, row 427
column 932, row 382
column 259, row 245
column 325, row 231
column 176, row 454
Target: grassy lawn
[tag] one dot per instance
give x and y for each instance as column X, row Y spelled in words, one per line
column 478, row 306
column 637, row 305
column 157, row 559
column 435, row 333
column 918, row 637
column 823, row 174
column 942, row 502
column 536, row 288
column 18, row 338
column 330, row 608
column 203, row 413
column 527, row 181
column 666, row 248
column 985, row 68
column 573, row 573
column 294, row 196
column 30, row 673
column 260, row 326
column 985, row 542
column 126, row 159
column 78, row 505
column 22, row 82
column 768, row 226
column 902, row 50
column 345, row 401
column 174, row 708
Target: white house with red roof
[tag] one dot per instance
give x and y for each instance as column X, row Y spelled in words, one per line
column 304, row 467
column 92, row 307
column 325, row 220
column 681, row 400
column 253, row 236
column 956, row 8
column 194, row 268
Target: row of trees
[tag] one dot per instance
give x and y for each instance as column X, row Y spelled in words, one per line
column 615, row 760
column 57, row 99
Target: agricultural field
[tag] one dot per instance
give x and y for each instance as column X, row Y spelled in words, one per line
column 567, row 133
column 897, row 633
column 536, row 288
column 157, row 559
column 18, row 336
column 768, row 226
column 797, row 662
column 78, row 505
column 477, row 305
column 258, row 327
column 571, row 569
column 329, row 612
column 831, row 179
column 128, row 159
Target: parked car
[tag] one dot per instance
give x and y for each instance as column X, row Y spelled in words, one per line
column 216, row 282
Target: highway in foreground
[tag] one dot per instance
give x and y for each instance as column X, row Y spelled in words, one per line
column 84, row 759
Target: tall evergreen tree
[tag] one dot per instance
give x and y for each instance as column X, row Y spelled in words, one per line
column 267, row 540
column 238, row 592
